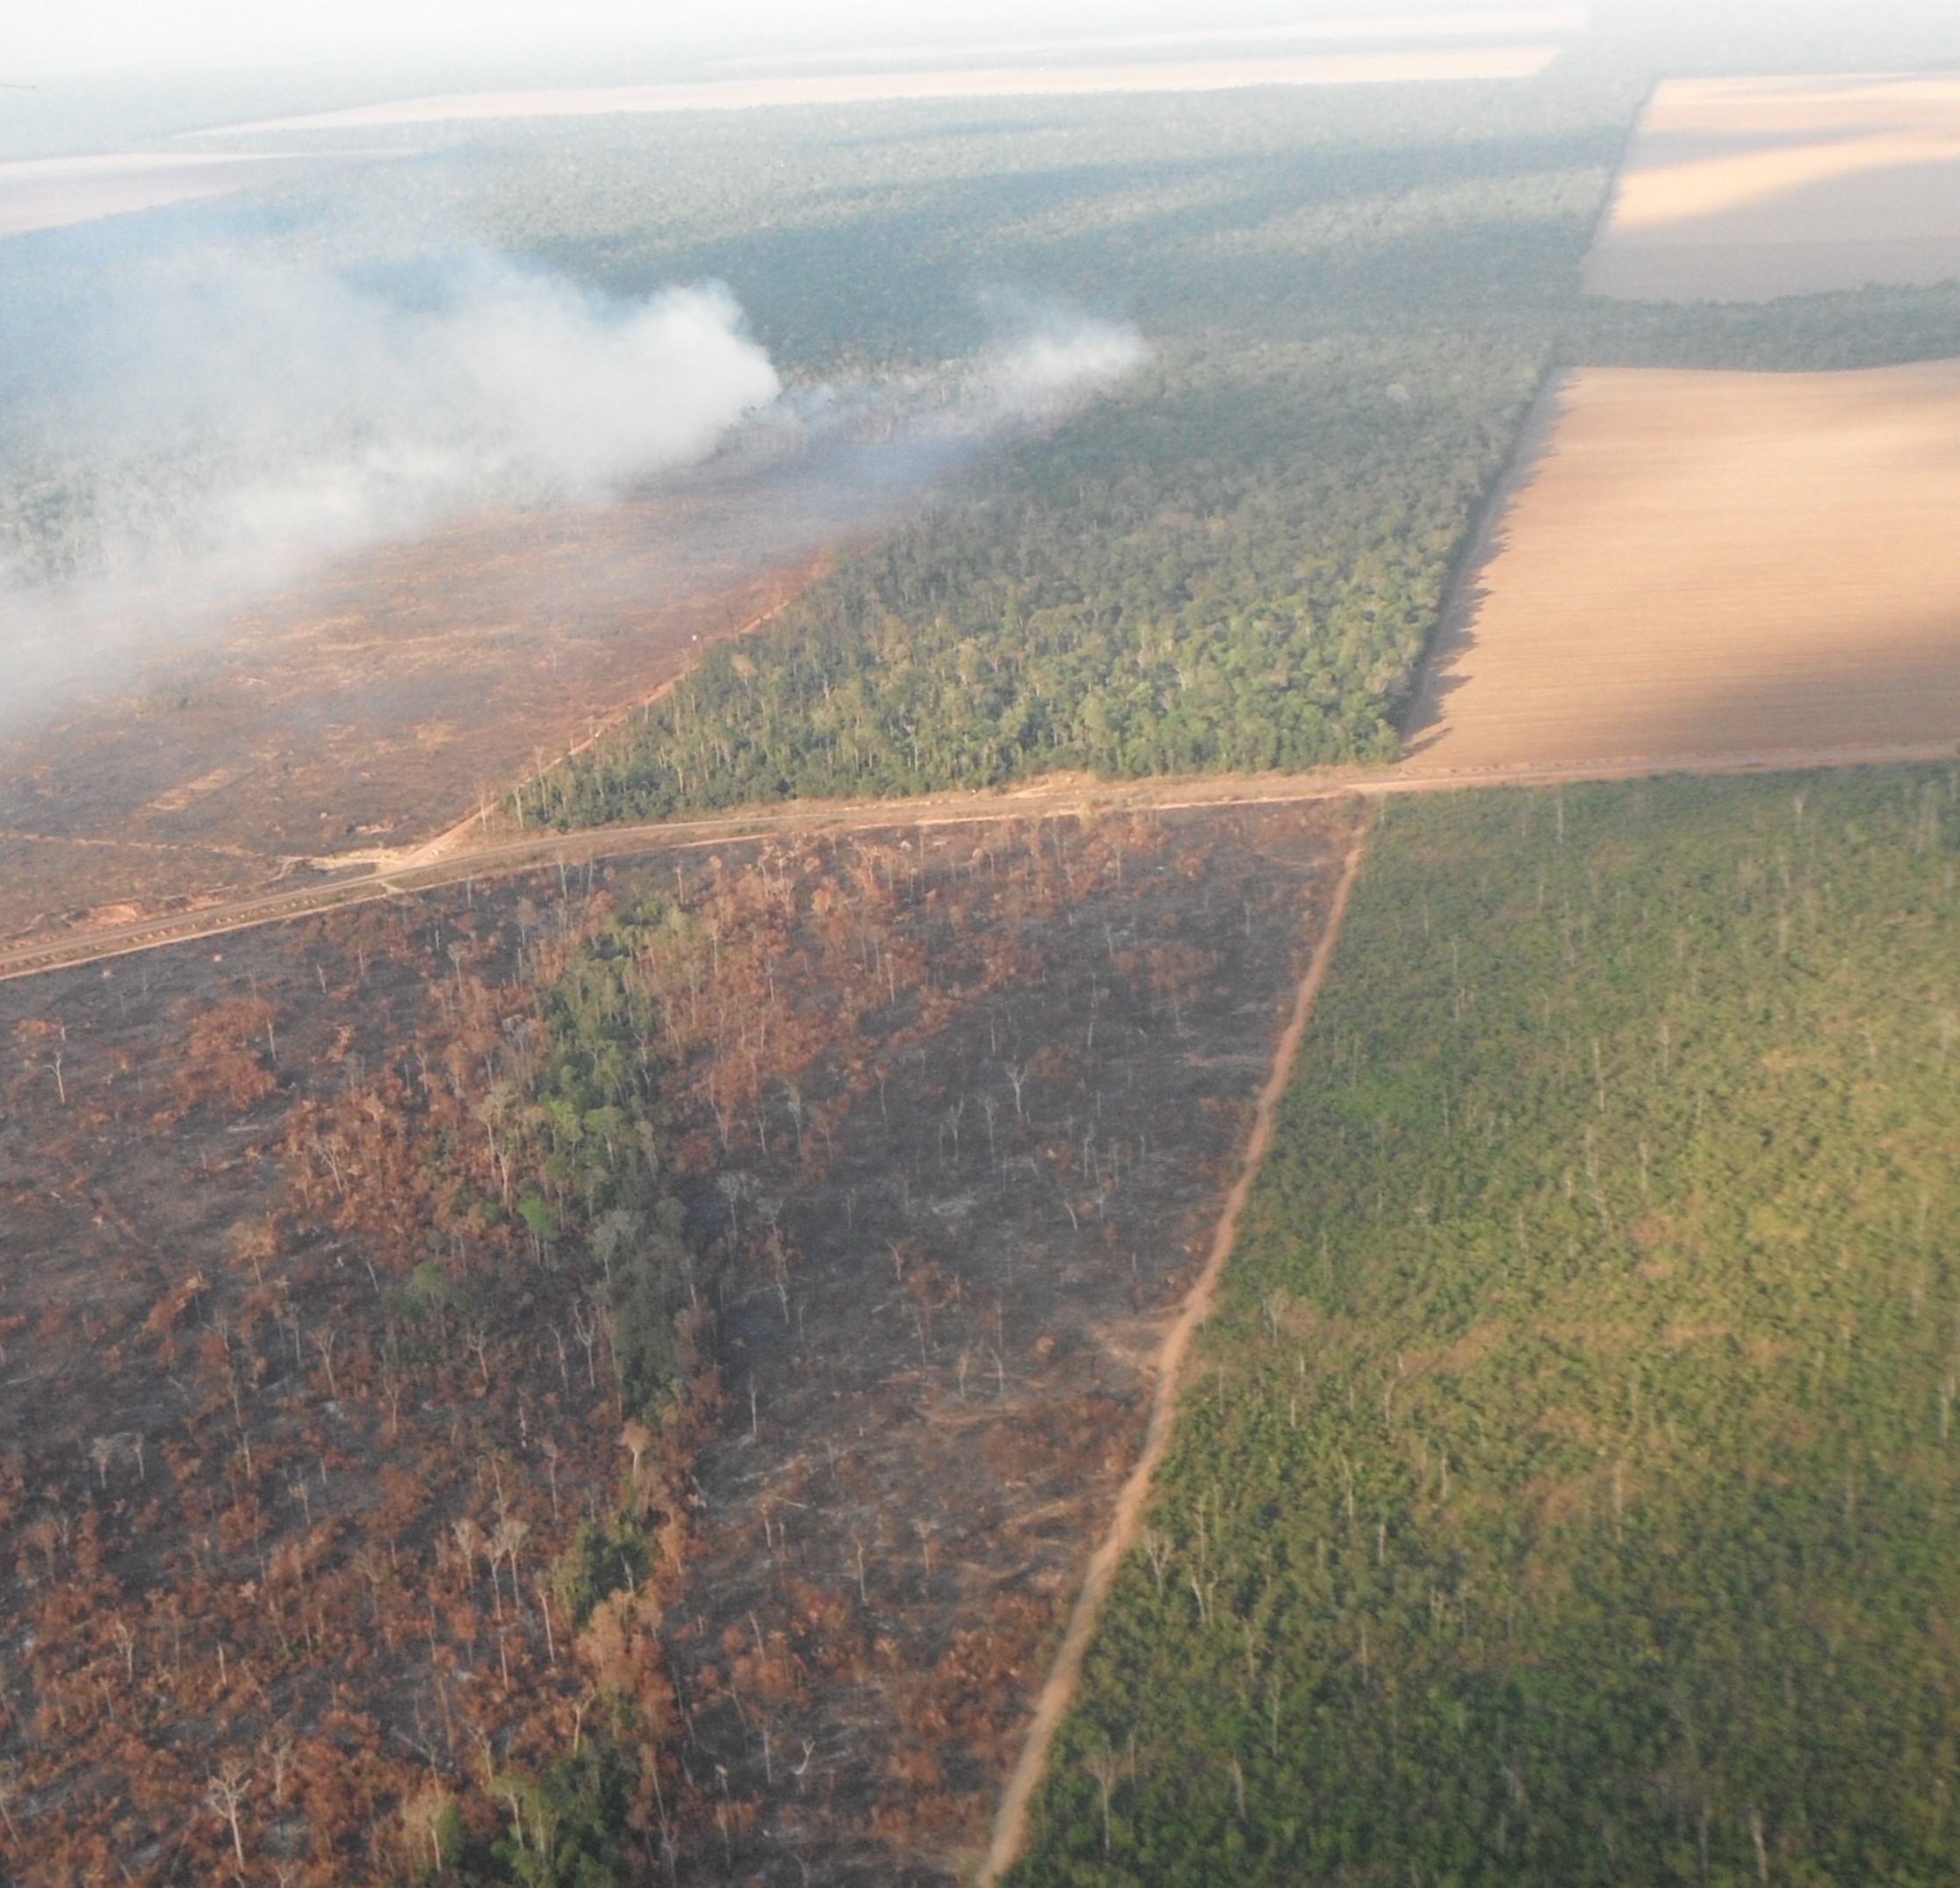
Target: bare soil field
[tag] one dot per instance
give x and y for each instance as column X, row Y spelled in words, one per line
column 51, row 192
column 1386, row 67
column 374, row 706
column 310, row 1440
column 1743, row 189
column 1703, row 565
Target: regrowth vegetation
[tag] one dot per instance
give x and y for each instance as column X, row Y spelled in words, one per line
column 1567, row 1492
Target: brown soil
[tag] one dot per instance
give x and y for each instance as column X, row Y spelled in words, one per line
column 375, row 706
column 230, row 1553
column 1741, row 190
column 1706, row 566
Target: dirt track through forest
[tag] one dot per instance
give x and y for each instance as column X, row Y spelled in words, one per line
column 1058, row 1689
column 418, row 872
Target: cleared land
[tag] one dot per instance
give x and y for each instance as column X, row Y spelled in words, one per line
column 328, row 1262
column 51, row 192
column 374, row 706
column 1711, row 565
column 382, row 699
column 1742, row 190
column 1398, row 66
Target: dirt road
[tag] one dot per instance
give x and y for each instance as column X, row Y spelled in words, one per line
column 1058, row 1689
column 433, row 865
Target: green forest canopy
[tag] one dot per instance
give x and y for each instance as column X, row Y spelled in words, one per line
column 1236, row 559
column 1567, row 1491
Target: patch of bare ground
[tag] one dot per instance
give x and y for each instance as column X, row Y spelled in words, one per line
column 1703, row 565
column 373, row 706
column 302, row 1416
column 51, row 192
column 1746, row 189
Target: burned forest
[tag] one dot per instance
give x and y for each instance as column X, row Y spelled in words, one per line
column 622, row 1365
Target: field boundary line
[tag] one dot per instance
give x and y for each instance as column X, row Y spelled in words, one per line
column 1458, row 611
column 1058, row 1689
column 1603, row 224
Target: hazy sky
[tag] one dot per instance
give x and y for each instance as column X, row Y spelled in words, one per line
column 111, row 34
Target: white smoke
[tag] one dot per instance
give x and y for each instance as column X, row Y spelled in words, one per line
column 264, row 413
column 214, row 426
column 1054, row 358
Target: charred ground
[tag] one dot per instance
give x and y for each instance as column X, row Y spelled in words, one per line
column 327, row 1429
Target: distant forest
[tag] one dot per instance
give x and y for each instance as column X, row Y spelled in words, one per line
column 1235, row 559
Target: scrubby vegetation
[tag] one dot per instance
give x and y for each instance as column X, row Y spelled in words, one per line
column 355, row 1318
column 1567, row 1493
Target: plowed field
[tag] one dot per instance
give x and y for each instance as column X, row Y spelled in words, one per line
column 1742, row 190
column 1711, row 565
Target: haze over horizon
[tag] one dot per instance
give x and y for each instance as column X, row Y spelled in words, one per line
column 104, row 37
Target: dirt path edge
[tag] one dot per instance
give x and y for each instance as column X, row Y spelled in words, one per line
column 1009, row 1836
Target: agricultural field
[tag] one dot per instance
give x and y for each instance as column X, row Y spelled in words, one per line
column 1567, row 1492
column 51, row 192
column 1745, row 190
column 1405, row 65
column 620, row 1366
column 1701, row 566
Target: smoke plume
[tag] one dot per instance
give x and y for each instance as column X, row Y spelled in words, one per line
column 263, row 411
column 1053, row 357
column 210, row 421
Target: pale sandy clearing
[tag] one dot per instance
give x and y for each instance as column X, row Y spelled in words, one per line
column 1705, row 565
column 1738, row 190
column 50, row 192
column 1000, row 82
